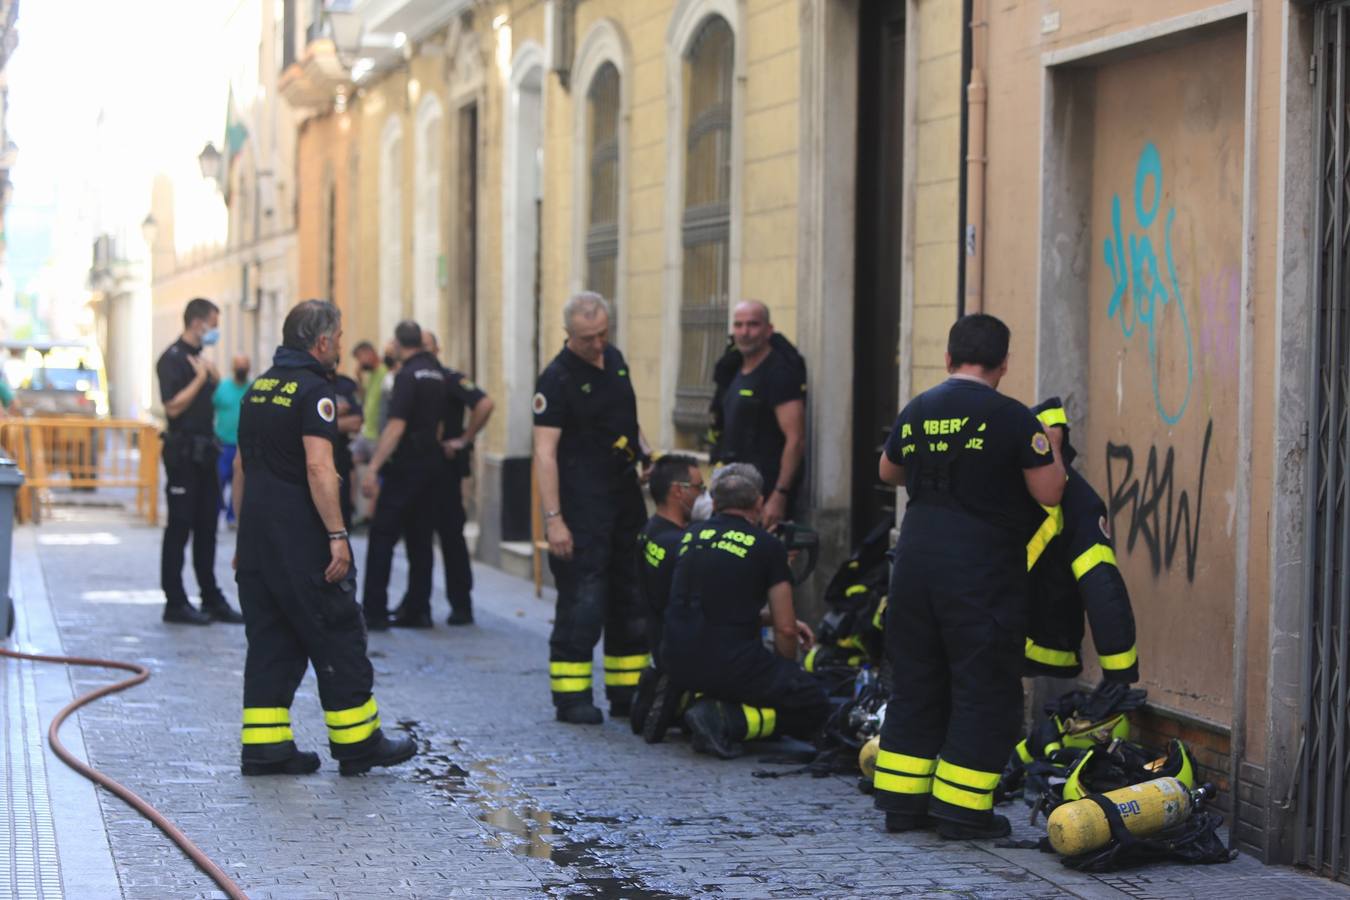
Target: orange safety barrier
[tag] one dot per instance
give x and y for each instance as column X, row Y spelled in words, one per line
column 89, row 454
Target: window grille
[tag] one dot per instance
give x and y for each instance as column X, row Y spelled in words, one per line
column 602, row 226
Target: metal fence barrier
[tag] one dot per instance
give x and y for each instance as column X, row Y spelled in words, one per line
column 93, row 454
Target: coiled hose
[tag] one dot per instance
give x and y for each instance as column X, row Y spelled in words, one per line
column 194, row 852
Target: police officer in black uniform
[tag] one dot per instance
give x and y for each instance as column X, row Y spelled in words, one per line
column 349, row 420
column 186, row 383
column 587, row 449
column 294, row 563
column 410, row 444
column 461, row 395
column 956, row 618
column 676, row 483
column 729, row 568
column 759, row 407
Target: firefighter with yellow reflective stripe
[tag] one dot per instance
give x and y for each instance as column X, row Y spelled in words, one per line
column 1075, row 572
column 294, row 563
column 956, row 613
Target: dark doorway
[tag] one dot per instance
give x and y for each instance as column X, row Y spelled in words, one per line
column 881, row 111
column 466, row 234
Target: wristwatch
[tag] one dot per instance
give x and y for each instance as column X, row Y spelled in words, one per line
column 337, row 535
column 552, row 513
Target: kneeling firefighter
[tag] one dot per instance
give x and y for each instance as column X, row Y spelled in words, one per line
column 297, row 586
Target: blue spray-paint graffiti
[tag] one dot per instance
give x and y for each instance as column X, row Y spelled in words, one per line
column 1149, row 293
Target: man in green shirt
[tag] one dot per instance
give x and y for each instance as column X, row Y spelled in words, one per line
column 226, row 399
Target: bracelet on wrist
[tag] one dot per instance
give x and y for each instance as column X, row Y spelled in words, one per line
column 337, row 535
column 552, row 513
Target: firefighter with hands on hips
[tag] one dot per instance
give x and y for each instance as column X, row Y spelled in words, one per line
column 457, row 437
column 410, row 445
column 732, row 578
column 956, row 617
column 191, row 451
column 293, row 563
column 759, row 407
column 588, row 449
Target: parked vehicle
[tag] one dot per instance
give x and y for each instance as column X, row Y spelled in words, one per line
column 56, row 378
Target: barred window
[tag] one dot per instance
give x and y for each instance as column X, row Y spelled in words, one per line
column 602, row 222
column 706, row 225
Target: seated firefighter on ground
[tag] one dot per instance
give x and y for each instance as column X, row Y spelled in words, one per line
column 728, row 568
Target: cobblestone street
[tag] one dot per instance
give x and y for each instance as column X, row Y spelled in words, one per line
column 503, row 802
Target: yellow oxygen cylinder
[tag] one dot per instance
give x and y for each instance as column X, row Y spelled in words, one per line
column 867, row 757
column 1146, row 808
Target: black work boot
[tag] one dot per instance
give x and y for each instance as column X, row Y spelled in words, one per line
column 219, row 609
column 665, row 710
column 185, row 614
column 460, row 617
column 584, row 713
column 642, row 699
column 997, row 827
column 301, row 762
column 707, row 722
column 407, row 619
column 386, row 753
column 898, row 822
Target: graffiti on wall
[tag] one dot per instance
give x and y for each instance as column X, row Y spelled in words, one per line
column 1160, row 511
column 1141, row 292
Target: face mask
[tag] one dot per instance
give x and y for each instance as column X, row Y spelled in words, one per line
column 211, row 337
column 241, row 375
column 389, row 362
column 367, row 367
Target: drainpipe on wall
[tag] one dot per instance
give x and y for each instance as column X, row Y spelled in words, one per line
column 976, row 101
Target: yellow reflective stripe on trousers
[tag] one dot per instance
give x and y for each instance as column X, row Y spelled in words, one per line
column 1092, row 557
column 770, row 722
column 753, row 722
column 1062, row 658
column 970, row 778
column 1117, row 661
column 1052, row 417
column 901, row 784
column 354, row 734
column 267, row 715
column 1053, row 525
column 274, row 735
column 557, row 669
column 339, row 718
column 627, row 663
column 1022, row 752
column 570, row 685
column 957, row 796
column 906, row 765
column 622, row 679
column 855, row 589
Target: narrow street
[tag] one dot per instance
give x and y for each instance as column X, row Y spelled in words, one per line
column 503, row 802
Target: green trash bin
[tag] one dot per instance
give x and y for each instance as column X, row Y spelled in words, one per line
column 10, row 480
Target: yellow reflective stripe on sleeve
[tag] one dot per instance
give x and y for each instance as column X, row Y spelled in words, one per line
column 855, row 589
column 906, row 765
column 1092, row 557
column 1022, row 752
column 753, row 722
column 267, row 715
column 569, row 668
column 770, row 722
column 275, row 735
column 341, row 717
column 1053, row 525
column 619, row 679
column 1052, row 417
column 809, row 664
column 570, row 685
column 950, row 793
column 876, row 617
column 1062, row 658
column 901, row 784
column 627, row 663
column 1116, row 661
column 355, row 734
column 970, row 778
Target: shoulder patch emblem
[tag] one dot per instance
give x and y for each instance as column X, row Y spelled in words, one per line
column 1105, row 527
column 327, row 411
column 1040, row 443
column 467, row 384
column 540, row 404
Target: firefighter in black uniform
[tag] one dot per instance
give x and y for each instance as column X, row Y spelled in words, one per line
column 956, row 617
column 728, row 568
column 676, row 484
column 759, row 407
column 192, row 482
column 294, row 563
column 1071, row 561
column 587, row 446
column 461, row 395
column 410, row 444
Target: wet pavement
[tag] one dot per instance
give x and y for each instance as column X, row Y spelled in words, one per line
column 502, row 801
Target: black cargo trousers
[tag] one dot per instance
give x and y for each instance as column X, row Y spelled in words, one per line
column 192, row 486
column 955, row 629
column 598, row 588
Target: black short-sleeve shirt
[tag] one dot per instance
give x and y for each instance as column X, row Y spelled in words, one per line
column 418, row 398
column 658, row 548
column 966, row 443
column 750, row 430
column 175, row 373
column 461, row 395
column 288, row 402
column 722, row 578
column 596, row 410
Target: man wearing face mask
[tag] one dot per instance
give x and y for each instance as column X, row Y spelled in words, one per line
column 226, row 402
column 186, row 385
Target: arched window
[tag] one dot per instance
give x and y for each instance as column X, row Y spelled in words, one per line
column 391, row 227
column 427, row 215
column 706, row 221
column 602, row 218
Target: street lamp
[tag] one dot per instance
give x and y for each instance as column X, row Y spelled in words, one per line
column 209, row 160
column 346, row 28
column 149, row 230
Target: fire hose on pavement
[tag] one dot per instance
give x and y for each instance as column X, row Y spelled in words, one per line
column 200, row 859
